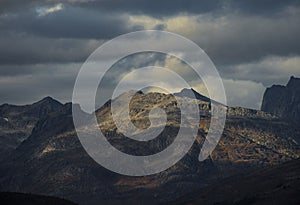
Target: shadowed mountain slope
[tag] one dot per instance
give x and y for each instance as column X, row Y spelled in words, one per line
column 273, row 186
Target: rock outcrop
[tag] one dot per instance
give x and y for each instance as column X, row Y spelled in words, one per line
column 284, row 101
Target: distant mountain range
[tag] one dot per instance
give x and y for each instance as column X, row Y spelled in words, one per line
column 41, row 153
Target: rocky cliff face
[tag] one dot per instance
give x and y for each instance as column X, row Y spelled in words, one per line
column 284, row 101
column 52, row 161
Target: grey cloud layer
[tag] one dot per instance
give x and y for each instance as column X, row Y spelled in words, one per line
column 253, row 43
column 36, row 82
column 21, row 48
column 239, row 38
column 70, row 22
column 64, row 36
column 160, row 8
column 230, row 38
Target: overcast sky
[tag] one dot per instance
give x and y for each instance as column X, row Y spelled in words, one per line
column 43, row 43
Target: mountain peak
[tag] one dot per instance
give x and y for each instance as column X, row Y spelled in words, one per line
column 49, row 100
column 283, row 101
column 186, row 92
column 294, row 82
column 43, row 107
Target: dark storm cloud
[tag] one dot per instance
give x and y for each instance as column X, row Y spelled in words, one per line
column 268, row 71
column 160, row 8
column 27, row 37
column 33, row 82
column 262, row 6
column 154, row 7
column 42, row 49
column 20, row 48
column 242, row 38
column 157, row 7
column 236, row 39
column 65, row 36
column 68, row 22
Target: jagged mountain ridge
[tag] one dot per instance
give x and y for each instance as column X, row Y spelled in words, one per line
column 284, row 101
column 52, row 161
column 17, row 122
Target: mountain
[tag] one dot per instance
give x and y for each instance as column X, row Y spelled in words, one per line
column 17, row 122
column 51, row 161
column 276, row 185
column 284, row 101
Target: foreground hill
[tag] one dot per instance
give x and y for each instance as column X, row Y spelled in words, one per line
column 273, row 186
column 8, row 198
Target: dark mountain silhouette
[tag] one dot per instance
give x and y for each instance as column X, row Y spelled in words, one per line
column 284, row 101
column 51, row 161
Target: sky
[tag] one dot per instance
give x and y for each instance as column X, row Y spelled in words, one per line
column 43, row 43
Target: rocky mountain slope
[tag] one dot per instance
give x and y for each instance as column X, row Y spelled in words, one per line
column 52, row 161
column 17, row 122
column 276, row 185
column 284, row 101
